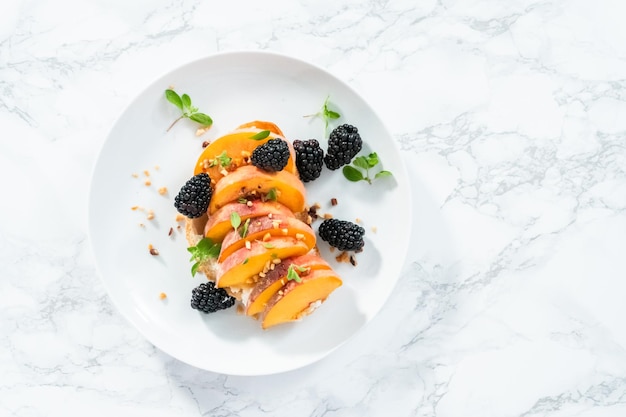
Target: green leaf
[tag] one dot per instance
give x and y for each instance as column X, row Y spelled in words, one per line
column 372, row 159
column 352, row 174
column 205, row 249
column 174, row 98
column 261, row 135
column 235, row 220
column 201, row 118
column 383, row 174
column 292, row 274
column 245, row 261
column 268, row 246
column 242, row 200
column 332, row 114
column 224, row 159
column 361, row 162
column 244, row 230
column 186, row 101
column 271, row 195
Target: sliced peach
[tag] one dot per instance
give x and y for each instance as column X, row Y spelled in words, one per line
column 240, row 267
column 249, row 180
column 264, row 227
column 275, row 279
column 219, row 225
column 237, row 146
column 297, row 299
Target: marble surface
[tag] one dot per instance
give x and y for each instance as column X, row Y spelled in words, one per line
column 511, row 117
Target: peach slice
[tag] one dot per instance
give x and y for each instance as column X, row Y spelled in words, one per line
column 249, row 180
column 262, row 125
column 275, row 279
column 240, row 267
column 297, row 299
column 237, row 146
column 264, row 227
column 219, row 225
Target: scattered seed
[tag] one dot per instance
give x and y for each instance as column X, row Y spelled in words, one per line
column 162, row 296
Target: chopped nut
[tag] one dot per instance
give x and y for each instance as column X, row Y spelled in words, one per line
column 280, row 292
column 285, row 231
column 162, row 190
column 148, row 183
column 275, row 224
column 171, row 231
column 201, row 131
column 343, row 257
column 276, row 261
column 272, row 266
column 180, row 217
column 153, row 251
column 146, row 173
column 157, row 167
column 150, row 215
column 270, row 215
column 358, row 220
column 299, row 236
column 328, row 216
column 134, row 175
column 266, row 237
column 205, row 143
column 142, row 225
column 374, row 229
column 162, row 296
column 333, row 201
column 262, row 274
column 224, row 172
column 249, row 203
column 134, row 207
column 352, row 260
column 248, row 244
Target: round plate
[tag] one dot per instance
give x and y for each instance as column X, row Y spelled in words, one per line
column 234, row 88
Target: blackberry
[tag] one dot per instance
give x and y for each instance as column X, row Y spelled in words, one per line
column 208, row 299
column 194, row 197
column 342, row 234
column 343, row 145
column 272, row 156
column 309, row 159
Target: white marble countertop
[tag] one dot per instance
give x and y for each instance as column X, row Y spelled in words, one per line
column 511, row 117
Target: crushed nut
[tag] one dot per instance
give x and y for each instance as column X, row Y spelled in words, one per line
column 248, row 244
column 249, row 203
column 148, row 183
column 171, row 231
column 162, row 190
column 162, row 296
column 146, row 173
column 134, row 175
column 328, row 216
column 267, row 237
column 276, row 261
column 150, row 215
column 333, row 201
column 374, row 229
column 153, row 250
column 180, row 217
column 205, row 143
column 299, row 236
column 352, row 260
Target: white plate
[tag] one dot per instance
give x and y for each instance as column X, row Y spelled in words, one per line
column 234, row 88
